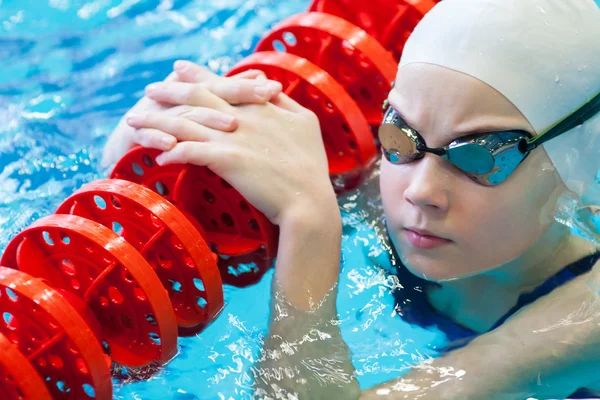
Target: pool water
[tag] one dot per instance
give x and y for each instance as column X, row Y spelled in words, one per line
column 71, row 69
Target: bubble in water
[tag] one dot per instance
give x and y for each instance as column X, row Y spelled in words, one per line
column 581, row 219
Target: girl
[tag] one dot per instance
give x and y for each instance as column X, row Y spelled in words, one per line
column 475, row 164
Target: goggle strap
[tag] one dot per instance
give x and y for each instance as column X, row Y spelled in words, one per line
column 581, row 115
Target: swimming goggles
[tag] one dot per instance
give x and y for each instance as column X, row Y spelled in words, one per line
column 487, row 158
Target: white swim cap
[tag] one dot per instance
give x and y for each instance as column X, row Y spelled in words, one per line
column 542, row 55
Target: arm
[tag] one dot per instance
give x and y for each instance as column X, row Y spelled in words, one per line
column 304, row 339
column 277, row 161
column 549, row 349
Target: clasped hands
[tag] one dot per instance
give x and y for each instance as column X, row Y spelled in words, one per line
column 263, row 143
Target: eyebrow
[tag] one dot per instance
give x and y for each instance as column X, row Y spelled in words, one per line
column 480, row 130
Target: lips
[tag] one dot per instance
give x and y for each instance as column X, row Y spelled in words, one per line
column 423, row 239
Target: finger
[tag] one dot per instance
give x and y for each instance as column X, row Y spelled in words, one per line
column 117, row 145
column 181, row 93
column 197, row 153
column 172, row 77
column 287, row 103
column 192, row 73
column 206, row 116
column 153, row 139
column 179, row 127
column 250, row 74
column 244, row 91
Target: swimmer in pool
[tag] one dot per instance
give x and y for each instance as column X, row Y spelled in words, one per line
column 491, row 122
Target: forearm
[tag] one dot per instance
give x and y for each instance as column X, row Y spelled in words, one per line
column 308, row 258
column 304, row 354
column 549, row 349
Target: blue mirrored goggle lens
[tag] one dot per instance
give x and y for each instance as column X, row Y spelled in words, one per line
column 472, row 158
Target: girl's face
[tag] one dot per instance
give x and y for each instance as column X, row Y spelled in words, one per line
column 479, row 227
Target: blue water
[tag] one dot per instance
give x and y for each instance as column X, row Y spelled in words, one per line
column 70, row 70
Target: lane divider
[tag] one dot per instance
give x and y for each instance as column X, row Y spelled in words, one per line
column 128, row 263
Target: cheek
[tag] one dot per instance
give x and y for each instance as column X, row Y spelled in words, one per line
column 506, row 220
column 494, row 221
column 392, row 183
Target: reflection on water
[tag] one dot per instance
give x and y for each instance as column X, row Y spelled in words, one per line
column 583, row 217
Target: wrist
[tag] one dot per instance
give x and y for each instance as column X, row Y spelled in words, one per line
column 312, row 212
column 308, row 258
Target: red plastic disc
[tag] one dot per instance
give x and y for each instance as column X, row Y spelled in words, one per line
column 390, row 21
column 18, row 379
column 53, row 337
column 348, row 140
column 109, row 275
column 242, row 236
column 349, row 54
column 164, row 236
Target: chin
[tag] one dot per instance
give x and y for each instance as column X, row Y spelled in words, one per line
column 432, row 271
column 429, row 266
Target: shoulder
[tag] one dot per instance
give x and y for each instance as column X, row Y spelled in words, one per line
column 594, row 386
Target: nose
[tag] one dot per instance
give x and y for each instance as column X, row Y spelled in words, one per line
column 429, row 184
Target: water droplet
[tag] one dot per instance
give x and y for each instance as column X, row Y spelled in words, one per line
column 542, row 9
column 557, row 79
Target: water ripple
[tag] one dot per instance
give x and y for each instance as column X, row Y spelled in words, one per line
column 71, row 69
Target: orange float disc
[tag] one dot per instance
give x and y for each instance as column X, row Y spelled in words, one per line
column 164, row 236
column 114, row 280
column 390, row 21
column 53, row 337
column 18, row 379
column 349, row 54
column 244, row 239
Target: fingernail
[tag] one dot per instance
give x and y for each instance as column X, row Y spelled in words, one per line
column 160, row 159
column 227, row 120
column 274, row 86
column 180, row 66
column 152, row 89
column 261, row 78
column 168, row 142
column 262, row 92
column 134, row 119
